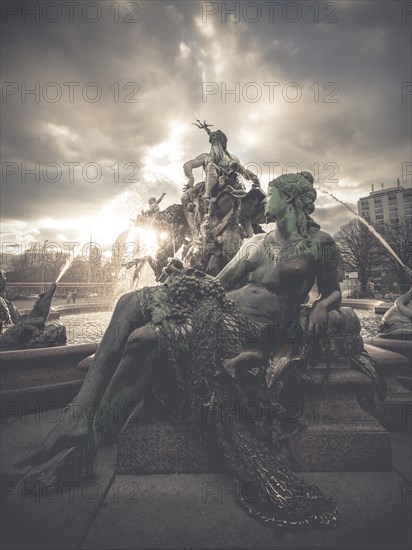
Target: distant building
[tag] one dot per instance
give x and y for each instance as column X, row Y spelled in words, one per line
column 387, row 205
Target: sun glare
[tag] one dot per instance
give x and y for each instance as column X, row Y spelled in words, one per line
column 147, row 240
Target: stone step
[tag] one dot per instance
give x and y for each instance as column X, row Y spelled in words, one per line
column 395, row 413
column 343, row 447
column 165, row 448
column 162, row 447
column 340, row 436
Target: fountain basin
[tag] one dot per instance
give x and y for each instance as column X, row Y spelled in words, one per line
column 73, row 309
column 41, row 376
column 361, row 303
column 383, row 307
column 403, row 347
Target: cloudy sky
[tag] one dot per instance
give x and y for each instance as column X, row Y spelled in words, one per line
column 117, row 85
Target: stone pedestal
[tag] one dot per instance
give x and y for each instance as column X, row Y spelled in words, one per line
column 340, row 435
column 395, row 413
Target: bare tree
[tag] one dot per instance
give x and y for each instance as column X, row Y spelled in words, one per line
column 360, row 250
column 398, row 236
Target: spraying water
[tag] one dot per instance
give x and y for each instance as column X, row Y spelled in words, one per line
column 64, row 269
column 69, row 260
column 110, row 221
column 144, row 241
column 368, row 225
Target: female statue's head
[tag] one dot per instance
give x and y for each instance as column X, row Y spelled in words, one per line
column 293, row 195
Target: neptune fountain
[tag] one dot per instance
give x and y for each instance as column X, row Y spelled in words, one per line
column 228, row 326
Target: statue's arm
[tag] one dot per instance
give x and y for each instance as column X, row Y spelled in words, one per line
column 159, row 200
column 14, row 313
column 190, row 165
column 248, row 174
column 328, row 285
column 245, row 261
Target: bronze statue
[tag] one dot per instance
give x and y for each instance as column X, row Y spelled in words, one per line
column 202, row 342
column 397, row 321
column 9, row 314
column 138, row 264
column 219, row 211
column 29, row 331
column 288, row 261
column 209, row 230
column 154, row 205
column 218, row 163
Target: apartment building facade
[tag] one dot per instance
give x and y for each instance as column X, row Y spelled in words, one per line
column 392, row 205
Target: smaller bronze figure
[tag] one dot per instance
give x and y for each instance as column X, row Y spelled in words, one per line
column 31, row 331
column 9, row 314
column 154, row 205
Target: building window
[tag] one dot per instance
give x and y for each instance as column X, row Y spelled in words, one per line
column 378, row 206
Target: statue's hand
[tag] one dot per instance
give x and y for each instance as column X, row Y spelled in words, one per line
column 318, row 316
column 255, row 181
column 234, row 166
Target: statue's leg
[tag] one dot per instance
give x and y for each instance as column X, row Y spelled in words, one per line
column 74, row 426
column 128, row 386
column 187, row 202
column 212, row 173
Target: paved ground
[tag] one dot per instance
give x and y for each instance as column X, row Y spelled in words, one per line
column 182, row 511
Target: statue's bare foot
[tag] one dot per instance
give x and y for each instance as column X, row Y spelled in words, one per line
column 67, row 433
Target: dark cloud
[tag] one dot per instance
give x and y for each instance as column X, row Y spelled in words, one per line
column 169, row 53
column 332, row 217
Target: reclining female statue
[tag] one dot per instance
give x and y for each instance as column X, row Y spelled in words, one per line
column 197, row 341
